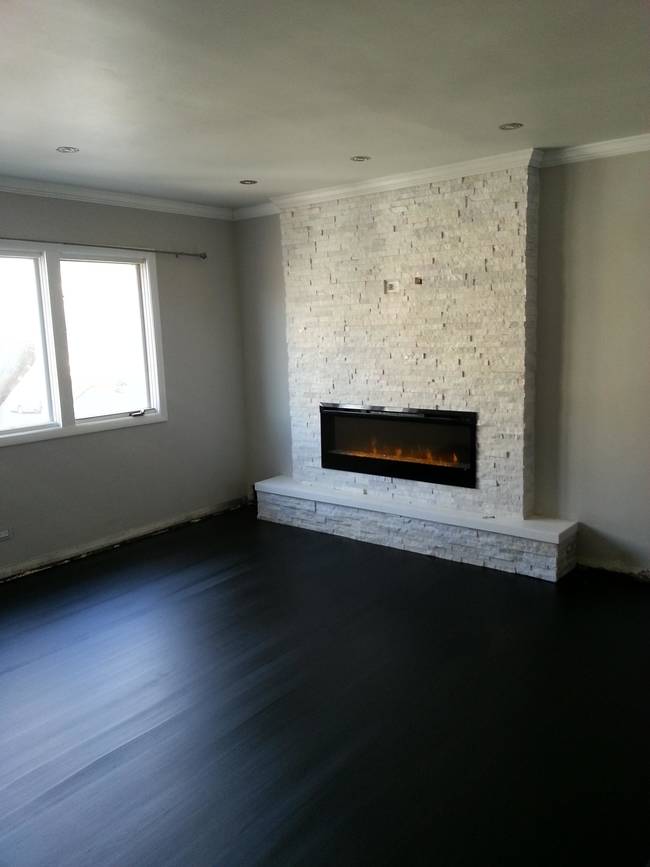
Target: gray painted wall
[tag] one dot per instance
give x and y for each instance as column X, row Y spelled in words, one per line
column 593, row 357
column 593, row 382
column 261, row 284
column 72, row 492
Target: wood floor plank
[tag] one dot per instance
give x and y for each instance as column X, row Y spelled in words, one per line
column 237, row 693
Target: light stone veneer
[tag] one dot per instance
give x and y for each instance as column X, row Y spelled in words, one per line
column 462, row 340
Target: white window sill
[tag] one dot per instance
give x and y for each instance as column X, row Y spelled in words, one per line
column 95, row 425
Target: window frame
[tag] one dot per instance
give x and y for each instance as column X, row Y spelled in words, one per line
column 54, row 336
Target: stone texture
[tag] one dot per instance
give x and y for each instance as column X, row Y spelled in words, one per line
column 460, row 337
column 462, row 340
column 544, row 560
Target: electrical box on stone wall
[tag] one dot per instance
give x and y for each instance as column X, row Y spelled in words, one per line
column 392, row 287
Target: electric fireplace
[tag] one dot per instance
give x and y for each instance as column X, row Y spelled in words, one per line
column 426, row 445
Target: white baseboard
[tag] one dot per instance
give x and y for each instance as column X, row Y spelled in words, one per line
column 56, row 558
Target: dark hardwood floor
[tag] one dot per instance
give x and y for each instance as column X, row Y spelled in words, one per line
column 236, row 693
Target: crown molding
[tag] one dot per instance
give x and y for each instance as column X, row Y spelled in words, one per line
column 515, row 159
column 535, row 157
column 615, row 147
column 266, row 209
column 25, row 187
column 499, row 162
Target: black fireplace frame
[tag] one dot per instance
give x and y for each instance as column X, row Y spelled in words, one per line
column 464, row 477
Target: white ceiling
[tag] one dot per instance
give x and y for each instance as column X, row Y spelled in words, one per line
column 182, row 99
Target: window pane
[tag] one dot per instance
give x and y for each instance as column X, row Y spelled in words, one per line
column 106, row 348
column 24, row 390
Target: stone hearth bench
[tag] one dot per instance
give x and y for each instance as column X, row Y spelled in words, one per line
column 540, row 547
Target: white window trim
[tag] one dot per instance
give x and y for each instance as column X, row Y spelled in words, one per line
column 53, row 324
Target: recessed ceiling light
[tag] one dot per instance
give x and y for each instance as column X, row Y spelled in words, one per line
column 67, row 149
column 360, row 158
column 509, row 126
column 248, row 181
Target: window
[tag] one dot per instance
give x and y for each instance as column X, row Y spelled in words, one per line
column 25, row 393
column 107, row 348
column 79, row 341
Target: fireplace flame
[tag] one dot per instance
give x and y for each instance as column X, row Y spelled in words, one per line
column 414, row 455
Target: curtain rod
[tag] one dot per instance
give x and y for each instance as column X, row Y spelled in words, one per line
column 176, row 253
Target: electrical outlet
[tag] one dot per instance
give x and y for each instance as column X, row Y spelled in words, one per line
column 4, row 534
column 391, row 287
